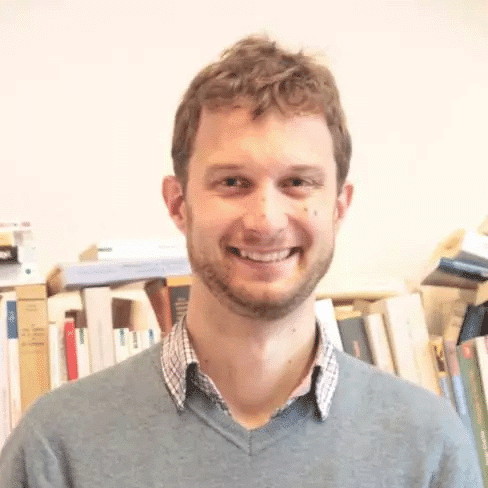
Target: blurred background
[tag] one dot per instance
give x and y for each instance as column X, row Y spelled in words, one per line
column 88, row 92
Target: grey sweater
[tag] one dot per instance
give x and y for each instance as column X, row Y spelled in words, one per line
column 120, row 428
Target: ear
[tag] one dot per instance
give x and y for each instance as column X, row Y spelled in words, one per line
column 343, row 202
column 174, row 198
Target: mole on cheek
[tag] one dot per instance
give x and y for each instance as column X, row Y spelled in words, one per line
column 315, row 213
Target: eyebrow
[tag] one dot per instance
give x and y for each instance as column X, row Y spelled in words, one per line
column 296, row 168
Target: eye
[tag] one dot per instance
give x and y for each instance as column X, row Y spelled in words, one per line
column 297, row 182
column 234, row 182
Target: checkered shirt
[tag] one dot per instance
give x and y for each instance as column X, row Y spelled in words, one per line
column 180, row 364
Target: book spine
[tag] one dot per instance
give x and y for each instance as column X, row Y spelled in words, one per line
column 481, row 348
column 354, row 338
column 135, row 345
column 82, row 352
column 477, row 411
column 54, row 356
column 70, row 347
column 154, row 293
column 121, row 344
column 457, row 383
column 14, row 362
column 5, row 428
column 33, row 343
column 378, row 340
column 97, row 303
column 439, row 358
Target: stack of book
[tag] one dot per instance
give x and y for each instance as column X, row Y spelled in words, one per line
column 18, row 261
column 88, row 316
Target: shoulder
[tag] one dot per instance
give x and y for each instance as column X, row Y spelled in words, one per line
column 136, row 384
column 396, row 403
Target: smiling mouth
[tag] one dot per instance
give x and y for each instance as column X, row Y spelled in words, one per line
column 264, row 257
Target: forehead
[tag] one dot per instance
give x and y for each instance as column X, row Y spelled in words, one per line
column 231, row 135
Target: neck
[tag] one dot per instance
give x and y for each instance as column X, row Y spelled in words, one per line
column 255, row 364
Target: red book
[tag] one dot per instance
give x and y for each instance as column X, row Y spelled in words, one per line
column 70, row 340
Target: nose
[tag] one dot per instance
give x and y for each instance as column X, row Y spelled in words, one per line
column 266, row 211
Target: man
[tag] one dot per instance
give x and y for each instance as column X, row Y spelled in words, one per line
column 247, row 390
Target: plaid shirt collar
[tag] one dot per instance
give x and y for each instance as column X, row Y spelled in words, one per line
column 180, row 363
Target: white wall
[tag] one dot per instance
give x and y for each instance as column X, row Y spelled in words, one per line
column 88, row 91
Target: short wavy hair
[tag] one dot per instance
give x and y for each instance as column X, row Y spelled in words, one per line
column 267, row 77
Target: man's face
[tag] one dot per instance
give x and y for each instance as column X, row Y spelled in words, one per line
column 261, row 209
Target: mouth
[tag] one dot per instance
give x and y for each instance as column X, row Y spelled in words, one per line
column 264, row 257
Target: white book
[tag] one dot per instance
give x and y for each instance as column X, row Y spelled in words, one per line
column 13, row 358
column 135, row 343
column 125, row 249
column 121, row 344
column 324, row 310
column 55, row 356
column 144, row 335
column 5, row 422
column 409, row 339
column 481, row 345
column 82, row 352
column 378, row 341
column 97, row 303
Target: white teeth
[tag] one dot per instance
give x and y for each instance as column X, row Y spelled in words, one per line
column 265, row 257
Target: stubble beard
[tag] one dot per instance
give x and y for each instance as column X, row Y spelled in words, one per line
column 217, row 277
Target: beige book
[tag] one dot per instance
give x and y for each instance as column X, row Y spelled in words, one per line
column 33, row 342
column 437, row 301
column 409, row 339
column 378, row 342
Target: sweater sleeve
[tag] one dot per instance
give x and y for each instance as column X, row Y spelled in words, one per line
column 28, row 461
column 459, row 466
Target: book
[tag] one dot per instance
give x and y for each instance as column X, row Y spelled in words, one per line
column 441, row 302
column 90, row 274
column 82, row 352
column 169, row 299
column 354, row 338
column 409, row 339
column 33, row 342
column 57, row 356
column 324, row 310
column 97, row 303
column 481, row 348
column 135, row 343
column 121, row 344
column 13, row 358
column 135, row 249
column 467, row 245
column 24, row 268
column 459, row 394
column 378, row 340
column 469, row 369
column 440, row 364
column 475, row 323
column 5, row 425
column 455, row 273
column 70, row 347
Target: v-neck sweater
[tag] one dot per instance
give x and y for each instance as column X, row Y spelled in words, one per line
column 120, row 428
